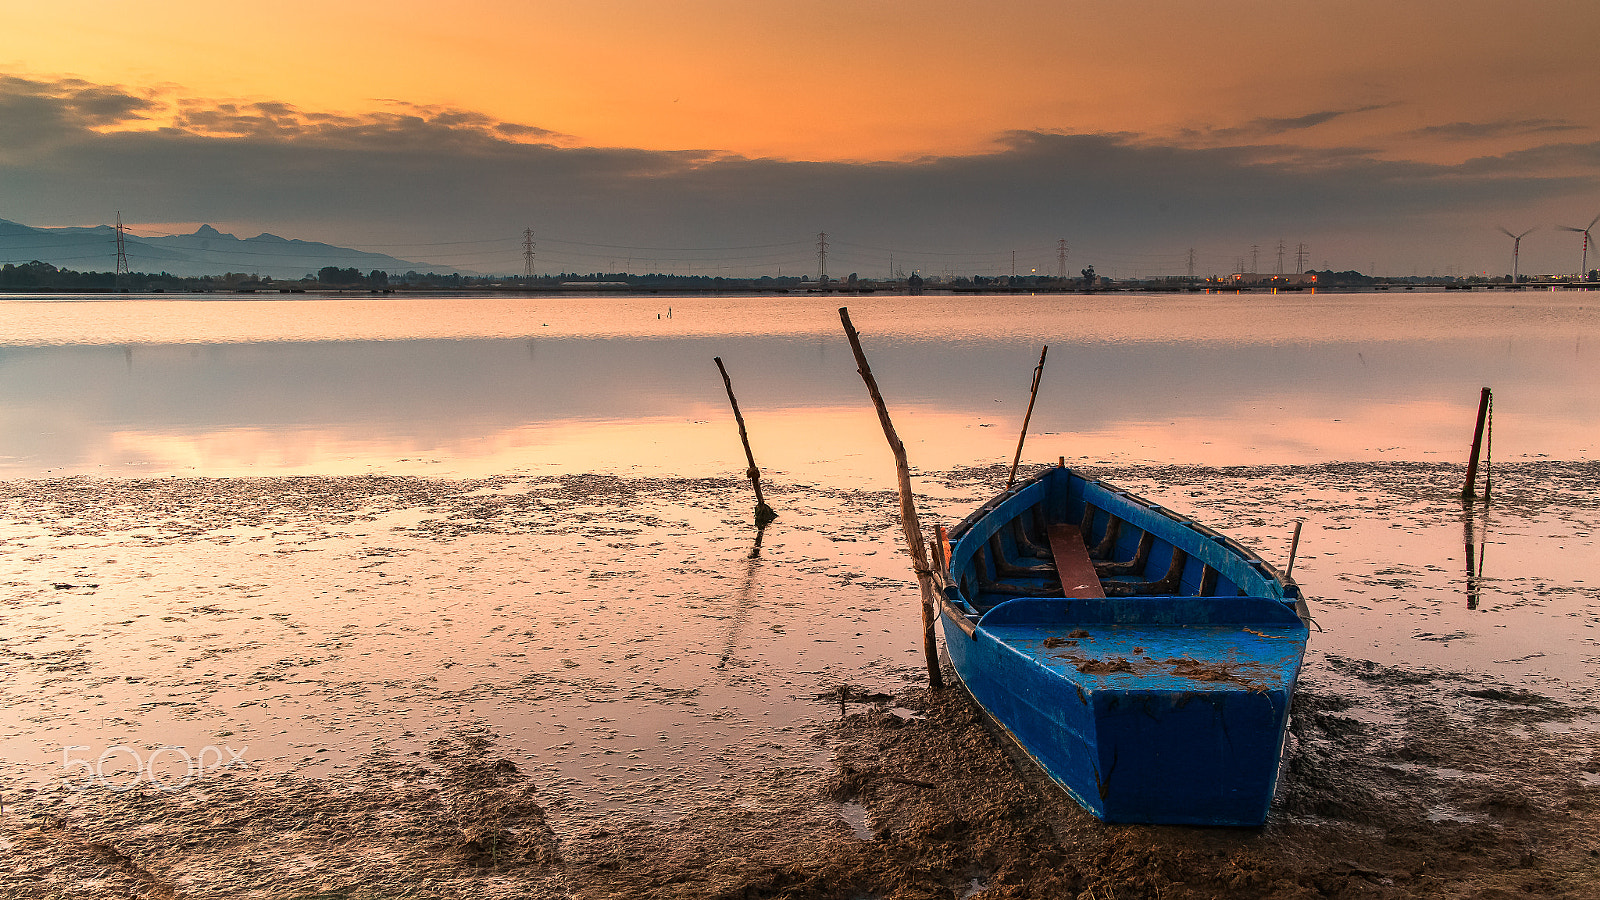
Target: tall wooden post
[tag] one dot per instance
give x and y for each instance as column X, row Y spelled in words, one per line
column 764, row 513
column 1033, row 394
column 915, row 546
column 1469, row 489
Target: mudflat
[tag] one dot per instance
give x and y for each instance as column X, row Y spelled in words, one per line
column 602, row 686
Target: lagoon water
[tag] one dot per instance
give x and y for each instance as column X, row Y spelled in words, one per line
column 564, row 554
column 488, row 385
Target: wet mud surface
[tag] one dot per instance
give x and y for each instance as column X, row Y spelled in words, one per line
column 1469, row 797
column 769, row 738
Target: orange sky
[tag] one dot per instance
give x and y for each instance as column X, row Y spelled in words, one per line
column 1390, row 137
column 848, row 79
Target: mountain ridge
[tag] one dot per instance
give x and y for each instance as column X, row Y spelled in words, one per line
column 206, row 251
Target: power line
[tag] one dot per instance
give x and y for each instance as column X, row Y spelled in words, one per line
column 965, row 253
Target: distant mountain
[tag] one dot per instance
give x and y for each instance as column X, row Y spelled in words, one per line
column 206, row 252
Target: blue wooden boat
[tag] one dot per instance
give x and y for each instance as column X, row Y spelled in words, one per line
column 1144, row 661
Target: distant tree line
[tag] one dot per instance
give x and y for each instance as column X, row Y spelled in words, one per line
column 1351, row 277
column 43, row 276
column 333, row 276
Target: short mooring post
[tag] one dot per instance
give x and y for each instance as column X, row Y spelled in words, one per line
column 915, row 546
column 764, row 513
column 1294, row 547
column 1469, row 490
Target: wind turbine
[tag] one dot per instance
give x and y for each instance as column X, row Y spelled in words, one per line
column 1516, row 249
column 1583, row 272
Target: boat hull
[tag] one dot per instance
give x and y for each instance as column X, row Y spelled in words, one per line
column 1157, row 742
column 1167, row 709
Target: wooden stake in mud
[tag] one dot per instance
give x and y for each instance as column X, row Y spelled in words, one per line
column 764, row 513
column 1470, row 488
column 1033, row 394
column 915, row 546
column 1488, row 453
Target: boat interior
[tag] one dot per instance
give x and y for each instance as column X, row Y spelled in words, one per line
column 1062, row 535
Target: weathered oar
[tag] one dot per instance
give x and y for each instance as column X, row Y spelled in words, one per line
column 1033, row 394
column 908, row 508
column 764, row 513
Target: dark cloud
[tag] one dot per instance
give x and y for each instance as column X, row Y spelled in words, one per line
column 1310, row 120
column 442, row 176
column 33, row 113
column 1272, row 127
column 406, row 122
column 1467, row 131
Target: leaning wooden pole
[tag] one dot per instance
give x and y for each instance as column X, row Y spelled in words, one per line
column 915, row 546
column 1033, row 394
column 1469, row 489
column 764, row 513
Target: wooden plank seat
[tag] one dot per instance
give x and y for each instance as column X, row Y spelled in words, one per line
column 1078, row 576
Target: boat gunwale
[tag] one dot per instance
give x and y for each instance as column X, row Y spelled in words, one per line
column 954, row 603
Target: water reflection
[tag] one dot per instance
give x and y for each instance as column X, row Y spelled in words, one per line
column 1158, row 382
column 487, row 406
column 1476, row 530
column 745, row 600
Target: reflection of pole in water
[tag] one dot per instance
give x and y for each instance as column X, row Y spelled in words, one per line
column 1475, row 546
column 746, row 600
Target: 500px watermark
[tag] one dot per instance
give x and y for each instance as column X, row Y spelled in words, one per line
column 167, row 768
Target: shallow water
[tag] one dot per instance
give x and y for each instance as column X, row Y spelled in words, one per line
column 484, row 386
column 591, row 598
